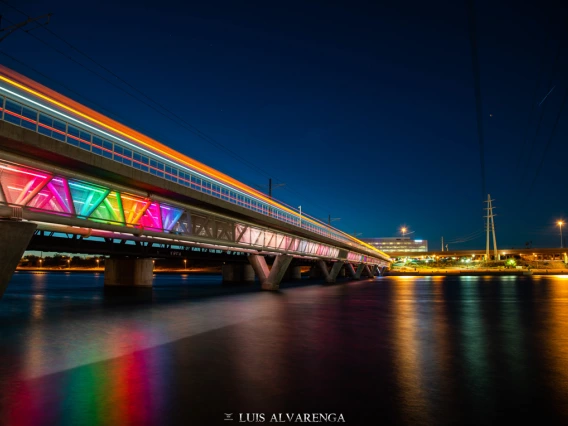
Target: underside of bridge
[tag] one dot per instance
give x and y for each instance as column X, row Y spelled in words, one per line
column 130, row 263
column 14, row 239
column 75, row 181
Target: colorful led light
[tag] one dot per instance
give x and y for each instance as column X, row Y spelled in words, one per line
column 145, row 143
column 86, row 197
column 170, row 215
column 20, row 185
column 110, row 210
column 134, row 207
column 152, row 218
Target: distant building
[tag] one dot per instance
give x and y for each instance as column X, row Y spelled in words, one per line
column 397, row 244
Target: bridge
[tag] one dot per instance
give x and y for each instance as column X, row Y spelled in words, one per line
column 72, row 177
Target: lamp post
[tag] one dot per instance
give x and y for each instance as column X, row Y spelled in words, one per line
column 97, row 263
column 68, row 263
column 403, row 230
column 184, row 263
column 560, row 223
column 40, row 261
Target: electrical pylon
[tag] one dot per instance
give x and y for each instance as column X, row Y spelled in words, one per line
column 490, row 227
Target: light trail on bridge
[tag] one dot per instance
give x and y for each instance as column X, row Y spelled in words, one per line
column 147, row 144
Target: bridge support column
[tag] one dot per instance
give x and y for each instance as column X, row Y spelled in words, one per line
column 349, row 270
column 359, row 271
column 237, row 273
column 129, row 272
column 14, row 239
column 293, row 273
column 270, row 278
column 330, row 276
column 368, row 272
column 374, row 270
column 315, row 271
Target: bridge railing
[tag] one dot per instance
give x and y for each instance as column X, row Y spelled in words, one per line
column 79, row 205
column 85, row 136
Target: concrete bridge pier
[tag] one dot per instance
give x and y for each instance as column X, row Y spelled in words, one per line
column 315, row 272
column 382, row 270
column 293, row 273
column 359, row 271
column 237, row 273
column 270, row 278
column 349, row 270
column 129, row 272
column 330, row 275
column 368, row 272
column 14, row 239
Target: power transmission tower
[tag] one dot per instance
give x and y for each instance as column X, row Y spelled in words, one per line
column 490, row 227
column 9, row 30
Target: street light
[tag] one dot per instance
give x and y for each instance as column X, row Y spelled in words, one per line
column 40, row 260
column 560, row 223
column 68, row 263
column 97, row 263
column 184, row 263
column 403, row 230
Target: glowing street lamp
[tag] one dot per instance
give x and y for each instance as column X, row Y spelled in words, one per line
column 40, row 261
column 68, row 263
column 403, row 230
column 560, row 223
column 97, row 263
column 184, row 263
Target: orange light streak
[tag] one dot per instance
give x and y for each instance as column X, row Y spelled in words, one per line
column 38, row 90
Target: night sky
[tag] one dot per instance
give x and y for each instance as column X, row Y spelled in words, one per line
column 366, row 111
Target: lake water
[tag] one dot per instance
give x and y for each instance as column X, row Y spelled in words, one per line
column 393, row 351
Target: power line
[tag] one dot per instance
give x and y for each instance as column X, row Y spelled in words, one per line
column 21, row 25
column 477, row 89
column 468, row 237
column 178, row 120
column 533, row 103
column 183, row 123
column 542, row 111
column 549, row 139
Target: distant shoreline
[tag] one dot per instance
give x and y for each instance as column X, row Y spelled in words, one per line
column 477, row 272
column 195, row 271
column 395, row 273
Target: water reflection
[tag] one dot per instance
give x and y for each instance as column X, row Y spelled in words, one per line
column 554, row 342
column 411, row 356
column 404, row 350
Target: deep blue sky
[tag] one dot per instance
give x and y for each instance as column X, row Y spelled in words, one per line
column 365, row 112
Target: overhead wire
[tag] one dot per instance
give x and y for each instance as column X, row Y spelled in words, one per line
column 470, row 237
column 542, row 112
column 477, row 89
column 168, row 113
column 551, row 137
column 533, row 102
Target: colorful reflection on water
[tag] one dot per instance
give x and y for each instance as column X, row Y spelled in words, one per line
column 403, row 350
